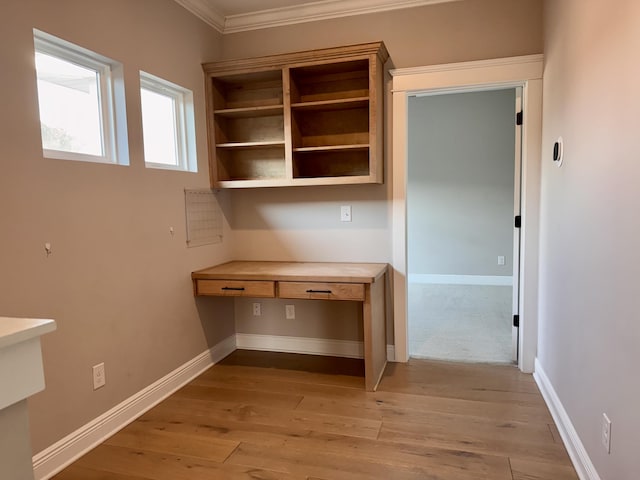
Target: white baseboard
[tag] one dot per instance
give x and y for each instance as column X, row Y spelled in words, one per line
column 391, row 353
column 579, row 456
column 62, row 453
column 305, row 345
column 310, row 346
column 428, row 278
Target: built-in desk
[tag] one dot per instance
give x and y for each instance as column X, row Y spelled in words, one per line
column 362, row 282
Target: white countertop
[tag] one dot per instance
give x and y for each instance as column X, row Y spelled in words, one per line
column 21, row 372
column 17, row 330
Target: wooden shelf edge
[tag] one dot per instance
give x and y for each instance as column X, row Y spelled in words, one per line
column 258, row 111
column 337, row 104
column 299, row 182
column 253, row 183
column 331, row 148
column 250, row 145
column 344, row 180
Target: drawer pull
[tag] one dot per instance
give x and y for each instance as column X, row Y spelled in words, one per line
column 318, row 291
column 237, row 289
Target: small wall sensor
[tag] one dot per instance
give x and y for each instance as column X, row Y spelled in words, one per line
column 558, row 152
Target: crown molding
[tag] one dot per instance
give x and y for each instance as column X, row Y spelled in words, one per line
column 205, row 12
column 307, row 12
column 474, row 64
column 314, row 11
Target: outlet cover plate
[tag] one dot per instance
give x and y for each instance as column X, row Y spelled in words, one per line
column 290, row 312
column 99, row 379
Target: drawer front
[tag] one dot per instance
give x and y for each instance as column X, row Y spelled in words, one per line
column 236, row 288
column 321, row 291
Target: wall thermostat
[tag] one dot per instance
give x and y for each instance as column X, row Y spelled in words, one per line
column 558, row 148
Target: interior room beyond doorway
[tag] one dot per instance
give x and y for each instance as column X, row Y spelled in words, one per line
column 461, row 197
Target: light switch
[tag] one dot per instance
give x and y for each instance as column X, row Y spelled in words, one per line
column 345, row 213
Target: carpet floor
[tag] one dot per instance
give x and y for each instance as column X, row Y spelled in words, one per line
column 469, row 323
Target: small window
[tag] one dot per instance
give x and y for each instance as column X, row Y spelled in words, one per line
column 167, row 124
column 81, row 102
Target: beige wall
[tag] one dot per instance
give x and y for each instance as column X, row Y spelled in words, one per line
column 304, row 223
column 460, row 186
column 589, row 259
column 441, row 33
column 117, row 282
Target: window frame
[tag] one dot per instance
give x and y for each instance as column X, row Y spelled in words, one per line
column 183, row 121
column 113, row 129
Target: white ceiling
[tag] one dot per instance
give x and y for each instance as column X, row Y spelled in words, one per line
column 236, row 7
column 229, row 16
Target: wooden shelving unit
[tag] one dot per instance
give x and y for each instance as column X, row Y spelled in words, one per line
column 307, row 118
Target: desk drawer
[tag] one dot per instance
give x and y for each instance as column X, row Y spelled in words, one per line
column 236, row 288
column 321, row 291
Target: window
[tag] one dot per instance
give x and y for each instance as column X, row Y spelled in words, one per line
column 81, row 102
column 167, row 124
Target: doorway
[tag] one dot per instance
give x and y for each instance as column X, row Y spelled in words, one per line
column 525, row 72
column 463, row 191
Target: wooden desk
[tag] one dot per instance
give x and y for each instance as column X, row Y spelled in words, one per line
column 362, row 282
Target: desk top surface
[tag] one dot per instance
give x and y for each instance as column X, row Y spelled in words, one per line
column 16, row 330
column 294, row 271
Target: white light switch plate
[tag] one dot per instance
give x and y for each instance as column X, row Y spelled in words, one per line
column 345, row 213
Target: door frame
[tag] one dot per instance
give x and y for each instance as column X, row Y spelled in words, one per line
column 524, row 72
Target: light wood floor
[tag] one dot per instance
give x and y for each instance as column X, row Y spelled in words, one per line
column 279, row 416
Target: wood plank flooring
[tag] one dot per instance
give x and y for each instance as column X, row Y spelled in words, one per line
column 273, row 416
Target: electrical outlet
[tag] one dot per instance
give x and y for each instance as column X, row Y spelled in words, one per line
column 99, row 380
column 290, row 312
column 606, row 433
column 257, row 309
column 500, row 259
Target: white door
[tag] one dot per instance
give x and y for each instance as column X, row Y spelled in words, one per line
column 517, row 184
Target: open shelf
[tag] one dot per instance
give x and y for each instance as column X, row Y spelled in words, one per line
column 330, row 81
column 324, row 128
column 307, row 118
column 266, row 162
column 326, row 163
column 254, row 89
column 249, row 129
column 340, row 104
column 247, row 112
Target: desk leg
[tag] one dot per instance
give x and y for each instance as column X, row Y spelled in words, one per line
column 375, row 334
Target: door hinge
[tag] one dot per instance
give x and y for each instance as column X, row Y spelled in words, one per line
column 519, row 118
column 518, row 221
column 516, row 320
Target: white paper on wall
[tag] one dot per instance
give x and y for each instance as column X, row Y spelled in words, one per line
column 204, row 217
